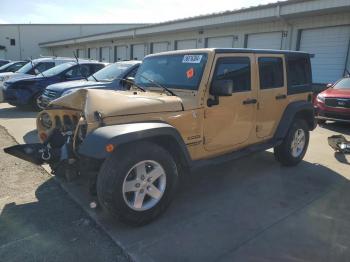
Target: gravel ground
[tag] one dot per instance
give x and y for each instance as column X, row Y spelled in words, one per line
column 39, row 221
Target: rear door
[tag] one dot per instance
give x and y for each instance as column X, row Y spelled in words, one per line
column 230, row 123
column 272, row 96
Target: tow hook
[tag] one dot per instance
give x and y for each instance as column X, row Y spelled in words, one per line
column 45, row 153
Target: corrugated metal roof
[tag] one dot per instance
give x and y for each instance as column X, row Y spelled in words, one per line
column 254, row 13
column 227, row 12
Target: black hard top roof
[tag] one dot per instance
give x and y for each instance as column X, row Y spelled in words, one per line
column 259, row 51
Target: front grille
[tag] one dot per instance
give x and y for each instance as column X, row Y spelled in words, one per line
column 338, row 102
column 51, row 94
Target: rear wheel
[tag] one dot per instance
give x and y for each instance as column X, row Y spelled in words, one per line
column 137, row 183
column 294, row 146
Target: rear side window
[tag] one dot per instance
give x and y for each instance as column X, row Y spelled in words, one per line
column 298, row 71
column 236, row 69
column 271, row 72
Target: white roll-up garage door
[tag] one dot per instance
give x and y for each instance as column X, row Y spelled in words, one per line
column 106, row 54
column 220, row 42
column 138, row 52
column 271, row 40
column 160, row 47
column 81, row 53
column 121, row 53
column 93, row 53
column 330, row 46
column 186, row 44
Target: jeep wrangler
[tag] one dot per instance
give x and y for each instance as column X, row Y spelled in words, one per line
column 184, row 109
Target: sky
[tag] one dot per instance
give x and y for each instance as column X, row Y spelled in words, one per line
column 112, row 11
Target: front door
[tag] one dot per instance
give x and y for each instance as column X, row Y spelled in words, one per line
column 230, row 123
column 272, row 97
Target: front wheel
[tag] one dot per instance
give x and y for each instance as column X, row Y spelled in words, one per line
column 294, row 146
column 137, row 182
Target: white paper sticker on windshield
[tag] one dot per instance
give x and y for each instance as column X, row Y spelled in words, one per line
column 192, row 59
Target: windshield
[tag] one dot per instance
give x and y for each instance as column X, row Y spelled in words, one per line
column 58, row 69
column 172, row 71
column 343, row 84
column 111, row 72
column 26, row 68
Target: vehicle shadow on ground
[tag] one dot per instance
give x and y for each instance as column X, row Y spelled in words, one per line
column 31, row 137
column 52, row 229
column 15, row 112
column 221, row 209
column 338, row 127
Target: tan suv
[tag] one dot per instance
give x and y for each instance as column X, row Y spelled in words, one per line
column 184, row 109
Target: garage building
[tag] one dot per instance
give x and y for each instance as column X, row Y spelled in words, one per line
column 321, row 27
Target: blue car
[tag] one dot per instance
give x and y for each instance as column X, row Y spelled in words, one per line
column 26, row 91
column 107, row 78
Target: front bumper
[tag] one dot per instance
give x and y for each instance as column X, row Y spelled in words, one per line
column 332, row 114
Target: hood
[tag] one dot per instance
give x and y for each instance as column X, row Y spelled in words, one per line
column 64, row 86
column 118, row 103
column 10, row 75
column 22, row 77
column 340, row 93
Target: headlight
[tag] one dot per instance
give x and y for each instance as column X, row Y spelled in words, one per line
column 45, row 120
column 68, row 92
column 4, row 78
column 320, row 98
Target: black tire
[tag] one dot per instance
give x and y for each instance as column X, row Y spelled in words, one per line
column 34, row 104
column 114, row 170
column 283, row 152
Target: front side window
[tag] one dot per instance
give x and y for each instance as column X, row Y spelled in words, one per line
column 271, row 72
column 236, row 69
column 181, row 71
column 78, row 71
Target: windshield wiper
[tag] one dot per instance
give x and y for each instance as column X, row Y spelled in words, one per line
column 76, row 58
column 159, row 85
column 131, row 82
column 95, row 78
column 31, row 62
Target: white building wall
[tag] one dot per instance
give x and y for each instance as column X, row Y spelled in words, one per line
column 28, row 36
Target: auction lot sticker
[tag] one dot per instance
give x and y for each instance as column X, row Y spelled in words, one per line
column 192, row 59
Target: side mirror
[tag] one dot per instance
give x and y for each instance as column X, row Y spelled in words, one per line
column 222, row 87
column 36, row 71
column 329, row 85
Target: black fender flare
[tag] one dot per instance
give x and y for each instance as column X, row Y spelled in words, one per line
column 94, row 144
column 298, row 108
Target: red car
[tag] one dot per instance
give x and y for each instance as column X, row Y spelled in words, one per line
column 334, row 103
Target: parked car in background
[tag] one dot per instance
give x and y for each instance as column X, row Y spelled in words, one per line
column 26, row 91
column 33, row 67
column 12, row 66
column 4, row 62
column 109, row 77
column 334, row 103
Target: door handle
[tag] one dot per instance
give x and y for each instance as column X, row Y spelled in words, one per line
column 279, row 97
column 250, row 101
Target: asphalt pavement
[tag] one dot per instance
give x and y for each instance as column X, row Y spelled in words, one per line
column 251, row 209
